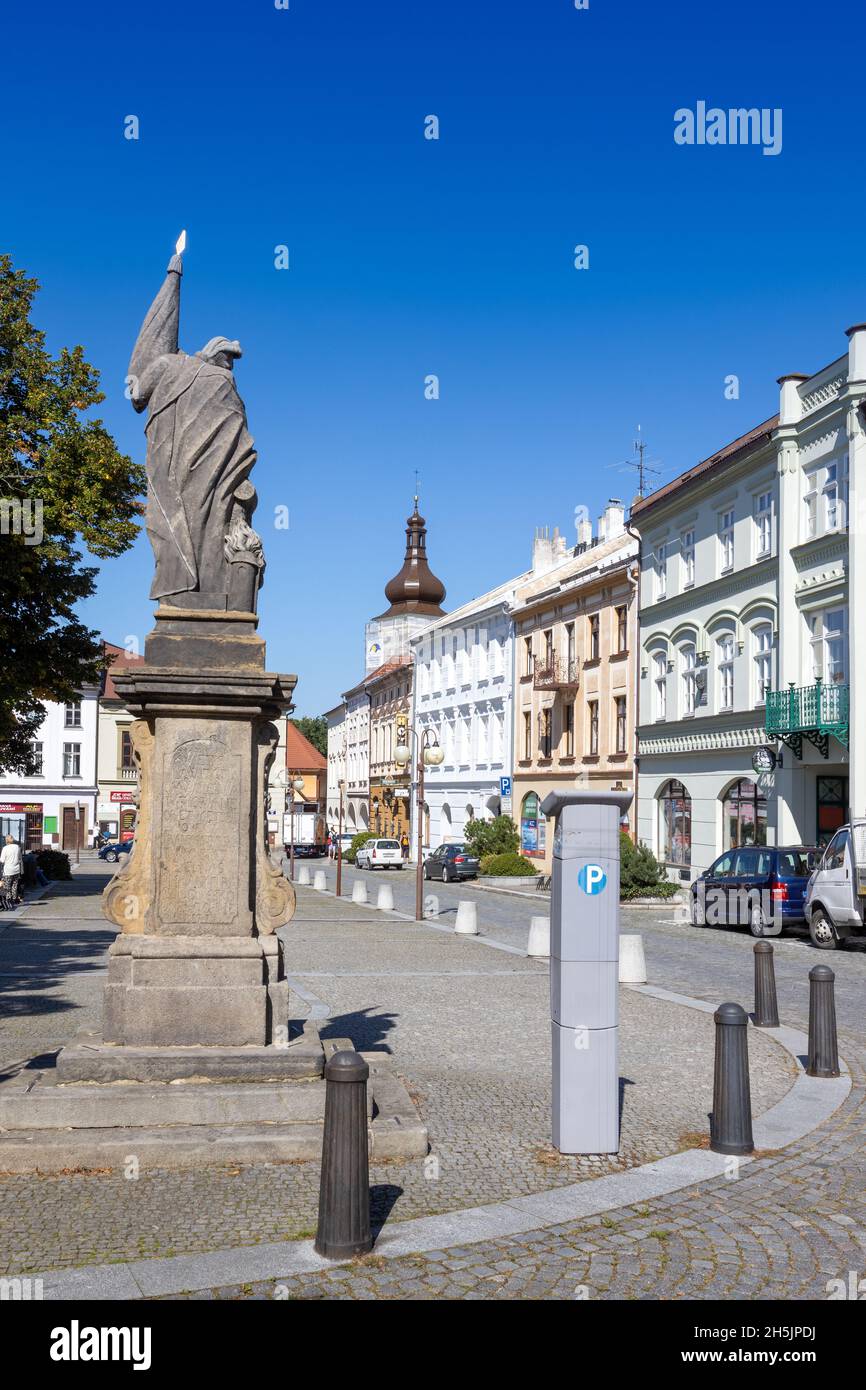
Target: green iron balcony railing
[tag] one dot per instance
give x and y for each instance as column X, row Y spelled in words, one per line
column 813, row 712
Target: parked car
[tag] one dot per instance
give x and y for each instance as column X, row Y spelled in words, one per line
column 835, row 905
column 114, row 849
column 451, row 862
column 759, row 886
column 380, row 854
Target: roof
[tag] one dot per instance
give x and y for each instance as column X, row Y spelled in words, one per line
column 397, row 663
column 120, row 657
column 300, row 753
column 594, row 563
column 728, row 454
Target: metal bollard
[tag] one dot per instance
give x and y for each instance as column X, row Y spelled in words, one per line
column 766, row 1006
column 344, row 1192
column 823, row 1044
column 731, row 1123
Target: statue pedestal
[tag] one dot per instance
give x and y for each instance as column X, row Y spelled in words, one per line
column 197, row 962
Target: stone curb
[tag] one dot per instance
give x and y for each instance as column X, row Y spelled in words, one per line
column 807, row 1104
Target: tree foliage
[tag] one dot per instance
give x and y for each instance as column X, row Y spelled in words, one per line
column 315, row 729
column 497, row 836
column 62, row 474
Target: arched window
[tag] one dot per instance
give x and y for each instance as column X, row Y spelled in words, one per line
column 660, row 681
column 533, row 827
column 745, row 814
column 762, row 640
column 688, row 667
column 725, row 661
column 675, row 824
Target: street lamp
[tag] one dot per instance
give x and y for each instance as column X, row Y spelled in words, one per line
column 429, row 755
column 342, row 785
column 296, row 785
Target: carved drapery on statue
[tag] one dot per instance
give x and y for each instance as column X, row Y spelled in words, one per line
column 199, row 457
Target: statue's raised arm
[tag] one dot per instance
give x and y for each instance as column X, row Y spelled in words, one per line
column 159, row 333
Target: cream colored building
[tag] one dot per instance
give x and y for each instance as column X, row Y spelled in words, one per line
column 575, row 642
column 116, row 772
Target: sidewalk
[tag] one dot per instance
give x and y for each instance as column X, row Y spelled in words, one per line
column 468, row 1028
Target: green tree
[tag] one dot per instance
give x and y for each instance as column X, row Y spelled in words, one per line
column 497, row 836
column 62, row 481
column 315, row 728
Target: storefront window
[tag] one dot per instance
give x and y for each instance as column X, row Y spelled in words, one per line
column 675, row 824
column 745, row 815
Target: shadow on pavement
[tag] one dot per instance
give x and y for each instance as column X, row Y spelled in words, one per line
column 368, row 1030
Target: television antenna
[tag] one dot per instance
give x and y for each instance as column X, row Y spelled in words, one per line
column 639, row 464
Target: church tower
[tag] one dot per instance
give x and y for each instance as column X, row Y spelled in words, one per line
column 415, row 597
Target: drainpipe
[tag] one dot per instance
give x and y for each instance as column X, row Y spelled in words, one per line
column 634, row 581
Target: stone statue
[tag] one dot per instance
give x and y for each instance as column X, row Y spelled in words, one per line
column 199, row 458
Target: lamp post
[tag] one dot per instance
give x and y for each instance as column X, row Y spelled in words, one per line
column 295, row 785
column 429, row 755
column 342, row 786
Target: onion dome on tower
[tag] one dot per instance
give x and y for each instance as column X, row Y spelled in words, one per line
column 415, row 589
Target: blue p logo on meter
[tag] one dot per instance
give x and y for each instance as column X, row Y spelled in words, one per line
column 592, row 879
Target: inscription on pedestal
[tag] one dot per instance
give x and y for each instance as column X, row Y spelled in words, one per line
column 199, row 851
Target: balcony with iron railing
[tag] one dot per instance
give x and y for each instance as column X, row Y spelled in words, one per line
column 811, row 712
column 555, row 673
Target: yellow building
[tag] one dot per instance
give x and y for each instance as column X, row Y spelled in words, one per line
column 390, row 691
column 575, row 635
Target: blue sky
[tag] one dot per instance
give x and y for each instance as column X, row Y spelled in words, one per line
column 305, row 127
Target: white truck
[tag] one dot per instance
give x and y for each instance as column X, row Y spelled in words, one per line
column 307, row 828
column 835, row 902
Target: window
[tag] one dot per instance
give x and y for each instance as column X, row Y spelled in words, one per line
column 72, row 760
column 763, row 525
column 545, row 740
column 594, row 638
column 660, row 681
column 548, row 650
column 688, row 660
column 37, row 750
column 568, row 729
column 834, row 854
column 762, row 638
column 832, row 807
column 527, row 656
column 661, row 572
column 621, row 628
column 810, row 508
column 620, row 704
column 745, row 815
column 725, row 657
column 527, row 734
column 687, row 558
column 72, row 715
column 726, row 541
column 593, row 728
column 832, row 499
column 570, row 650
column 675, row 824
column 127, row 761
column 829, row 646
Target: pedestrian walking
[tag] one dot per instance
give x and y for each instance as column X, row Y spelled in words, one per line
column 11, row 865
column 404, row 845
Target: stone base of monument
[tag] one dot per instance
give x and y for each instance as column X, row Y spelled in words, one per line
column 91, row 1111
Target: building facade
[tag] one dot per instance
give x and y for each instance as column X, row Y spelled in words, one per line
column 708, row 653
column 116, row 770
column 390, row 691
column 57, row 805
column 575, row 636
column 337, row 764
column 357, row 805
column 463, row 701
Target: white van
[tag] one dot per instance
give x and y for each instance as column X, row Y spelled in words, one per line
column 835, row 902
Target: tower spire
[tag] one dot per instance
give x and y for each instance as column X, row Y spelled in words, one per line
column 415, row 589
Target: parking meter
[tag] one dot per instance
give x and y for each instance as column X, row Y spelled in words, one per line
column 584, row 968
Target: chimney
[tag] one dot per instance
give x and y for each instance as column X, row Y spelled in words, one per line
column 584, row 533
column 612, row 520
column 548, row 550
column 790, row 404
column 857, row 352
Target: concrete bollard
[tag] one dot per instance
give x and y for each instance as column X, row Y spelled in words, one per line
column 385, row 900
column 766, row 1006
column 320, row 882
column 344, row 1190
column 632, row 961
column 304, row 876
column 731, row 1121
column 539, row 937
column 359, row 891
column 823, row 1043
column 467, row 919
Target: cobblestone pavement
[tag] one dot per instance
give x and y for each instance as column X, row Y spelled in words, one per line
column 467, row 1026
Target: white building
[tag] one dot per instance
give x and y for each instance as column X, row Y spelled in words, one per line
column 463, row 694
column 336, row 718
column 707, row 652
column 56, row 806
column 357, row 744
column 750, row 567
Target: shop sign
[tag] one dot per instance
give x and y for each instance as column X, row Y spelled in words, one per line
column 763, row 760
column 11, row 807
column 121, row 796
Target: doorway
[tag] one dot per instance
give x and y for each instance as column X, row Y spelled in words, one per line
column 831, row 807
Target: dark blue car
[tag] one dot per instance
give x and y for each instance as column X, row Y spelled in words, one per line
column 114, row 849
column 759, row 886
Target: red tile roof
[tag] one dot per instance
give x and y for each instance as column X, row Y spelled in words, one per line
column 728, row 454
column 301, row 756
column 119, row 657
